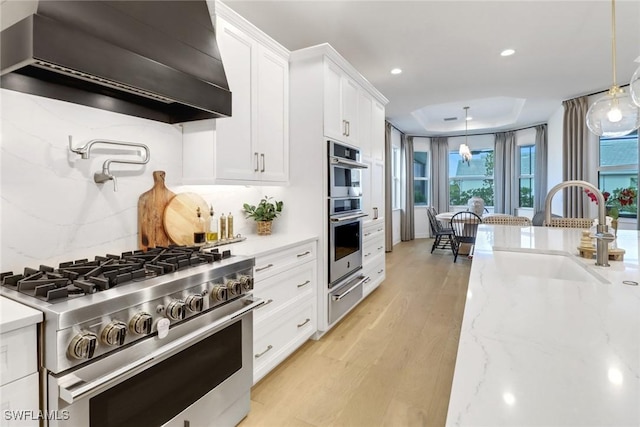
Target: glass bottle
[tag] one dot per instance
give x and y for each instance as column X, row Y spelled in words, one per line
column 212, row 234
column 230, row 226
column 200, row 234
column 223, row 227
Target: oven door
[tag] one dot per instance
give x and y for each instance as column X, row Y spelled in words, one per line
column 201, row 371
column 345, row 296
column 344, row 179
column 345, row 245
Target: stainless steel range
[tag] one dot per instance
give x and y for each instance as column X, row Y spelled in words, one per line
column 162, row 337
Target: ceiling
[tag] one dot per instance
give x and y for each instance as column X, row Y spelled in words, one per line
column 449, row 52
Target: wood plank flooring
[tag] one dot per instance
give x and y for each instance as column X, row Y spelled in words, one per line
column 389, row 362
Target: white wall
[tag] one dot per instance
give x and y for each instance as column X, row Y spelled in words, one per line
column 52, row 211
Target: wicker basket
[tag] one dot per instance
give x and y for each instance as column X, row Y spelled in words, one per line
column 264, row 228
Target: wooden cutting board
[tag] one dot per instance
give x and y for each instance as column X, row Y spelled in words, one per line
column 151, row 207
column 180, row 218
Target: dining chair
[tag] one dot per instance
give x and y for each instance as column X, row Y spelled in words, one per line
column 583, row 223
column 465, row 228
column 507, row 220
column 442, row 235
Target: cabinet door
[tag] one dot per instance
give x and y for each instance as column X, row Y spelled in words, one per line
column 364, row 123
column 235, row 155
column 349, row 92
column 334, row 126
column 272, row 135
column 377, row 132
column 367, row 193
column 377, row 189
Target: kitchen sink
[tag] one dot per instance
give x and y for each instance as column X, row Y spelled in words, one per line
column 560, row 266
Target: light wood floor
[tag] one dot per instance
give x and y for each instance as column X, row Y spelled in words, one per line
column 389, row 362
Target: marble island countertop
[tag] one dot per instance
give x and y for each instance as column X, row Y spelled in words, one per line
column 548, row 338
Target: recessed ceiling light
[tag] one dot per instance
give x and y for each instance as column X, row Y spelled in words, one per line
column 507, row 52
column 396, row 71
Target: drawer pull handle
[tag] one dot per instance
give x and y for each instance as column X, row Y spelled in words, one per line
column 367, row 234
column 380, row 271
column 304, row 323
column 380, row 229
column 367, row 254
column 380, row 247
column 304, row 284
column 264, row 268
column 367, row 280
column 269, row 347
column 304, row 254
column 269, row 301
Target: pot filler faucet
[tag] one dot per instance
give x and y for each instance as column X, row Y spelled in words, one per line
column 602, row 237
column 106, row 175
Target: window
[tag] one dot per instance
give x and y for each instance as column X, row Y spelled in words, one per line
column 527, row 170
column 471, row 179
column 618, row 168
column 396, row 189
column 421, row 178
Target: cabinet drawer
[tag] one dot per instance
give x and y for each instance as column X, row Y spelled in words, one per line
column 372, row 248
column 284, row 289
column 275, row 341
column 376, row 271
column 19, row 397
column 372, row 231
column 18, row 354
column 277, row 262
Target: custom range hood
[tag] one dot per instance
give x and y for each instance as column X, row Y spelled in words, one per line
column 153, row 59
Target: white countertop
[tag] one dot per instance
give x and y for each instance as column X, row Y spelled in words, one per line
column 14, row 315
column 538, row 351
column 256, row 246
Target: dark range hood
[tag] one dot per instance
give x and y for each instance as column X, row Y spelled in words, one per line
column 153, row 59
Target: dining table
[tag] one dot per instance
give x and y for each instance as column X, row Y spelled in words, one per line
column 465, row 248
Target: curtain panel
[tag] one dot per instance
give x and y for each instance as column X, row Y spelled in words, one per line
column 440, row 173
column 574, row 154
column 407, row 226
column 540, row 177
column 388, row 184
column 506, row 188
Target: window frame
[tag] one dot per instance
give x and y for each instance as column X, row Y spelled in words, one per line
column 619, row 168
column 396, row 178
column 491, row 177
column 531, row 176
column 426, row 178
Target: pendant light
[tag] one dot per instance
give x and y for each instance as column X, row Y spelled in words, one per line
column 464, row 151
column 634, row 87
column 614, row 114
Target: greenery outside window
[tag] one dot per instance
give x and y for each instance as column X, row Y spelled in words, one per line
column 618, row 168
column 474, row 178
column 421, row 178
column 527, row 171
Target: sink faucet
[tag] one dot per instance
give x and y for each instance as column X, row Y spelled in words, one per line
column 602, row 237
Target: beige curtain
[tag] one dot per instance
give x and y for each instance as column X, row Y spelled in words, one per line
column 505, row 176
column 388, row 184
column 407, row 226
column 540, row 177
column 574, row 154
column 440, row 173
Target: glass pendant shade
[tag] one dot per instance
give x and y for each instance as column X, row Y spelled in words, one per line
column 615, row 114
column 465, row 152
column 634, row 87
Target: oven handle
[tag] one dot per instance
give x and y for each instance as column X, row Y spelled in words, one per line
column 351, row 289
column 348, row 217
column 337, row 161
column 81, row 389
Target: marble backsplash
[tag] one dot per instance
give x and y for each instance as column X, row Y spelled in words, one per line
column 53, row 211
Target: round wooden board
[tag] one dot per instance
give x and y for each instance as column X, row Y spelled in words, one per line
column 180, row 217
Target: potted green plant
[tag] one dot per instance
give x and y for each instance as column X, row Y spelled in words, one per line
column 267, row 210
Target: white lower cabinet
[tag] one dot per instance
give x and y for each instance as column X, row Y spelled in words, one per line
column 19, row 402
column 373, row 254
column 287, row 281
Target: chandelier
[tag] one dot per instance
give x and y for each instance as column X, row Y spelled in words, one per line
column 464, row 151
column 614, row 114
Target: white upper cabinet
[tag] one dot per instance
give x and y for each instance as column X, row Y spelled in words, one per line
column 251, row 146
column 365, row 123
column 378, row 132
column 341, row 105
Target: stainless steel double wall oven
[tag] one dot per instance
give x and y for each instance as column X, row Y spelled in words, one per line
column 345, row 228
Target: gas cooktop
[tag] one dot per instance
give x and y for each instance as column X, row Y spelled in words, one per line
column 82, row 277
